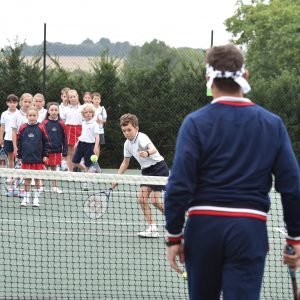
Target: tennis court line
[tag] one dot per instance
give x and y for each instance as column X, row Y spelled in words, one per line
column 83, row 232
column 118, row 223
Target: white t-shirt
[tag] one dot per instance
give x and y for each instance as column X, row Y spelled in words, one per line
column 101, row 115
column 71, row 115
column 18, row 120
column 89, row 132
column 140, row 143
column 6, row 119
column 61, row 107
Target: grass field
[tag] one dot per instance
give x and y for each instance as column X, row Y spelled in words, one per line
column 70, row 62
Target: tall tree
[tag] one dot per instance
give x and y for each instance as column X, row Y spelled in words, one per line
column 270, row 32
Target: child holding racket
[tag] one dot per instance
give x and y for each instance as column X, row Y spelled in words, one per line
column 100, row 115
column 72, row 117
column 33, row 147
column 226, row 155
column 6, row 130
column 56, row 131
column 6, row 139
column 139, row 146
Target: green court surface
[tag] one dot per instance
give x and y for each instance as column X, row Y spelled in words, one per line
column 56, row 252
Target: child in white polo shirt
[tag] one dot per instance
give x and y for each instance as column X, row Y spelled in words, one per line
column 152, row 163
column 88, row 141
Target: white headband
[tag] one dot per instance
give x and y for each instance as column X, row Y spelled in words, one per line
column 237, row 76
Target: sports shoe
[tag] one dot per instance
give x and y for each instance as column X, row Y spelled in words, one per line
column 57, row 190
column 25, row 201
column 12, row 193
column 36, row 202
column 85, row 186
column 150, row 232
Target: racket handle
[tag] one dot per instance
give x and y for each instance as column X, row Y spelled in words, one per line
column 289, row 249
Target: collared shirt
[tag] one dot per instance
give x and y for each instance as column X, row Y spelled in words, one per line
column 18, row 120
column 71, row 115
column 90, row 130
column 6, row 119
column 140, row 143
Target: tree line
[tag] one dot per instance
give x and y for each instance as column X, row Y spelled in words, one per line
column 161, row 84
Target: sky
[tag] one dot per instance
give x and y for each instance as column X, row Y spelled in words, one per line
column 178, row 23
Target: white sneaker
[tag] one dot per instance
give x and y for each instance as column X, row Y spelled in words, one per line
column 36, row 202
column 57, row 190
column 25, row 201
column 86, row 186
column 150, row 232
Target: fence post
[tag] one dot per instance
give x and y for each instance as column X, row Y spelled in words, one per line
column 44, row 62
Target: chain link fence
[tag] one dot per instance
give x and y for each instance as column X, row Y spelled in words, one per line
column 158, row 83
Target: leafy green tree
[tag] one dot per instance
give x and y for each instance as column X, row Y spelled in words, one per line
column 105, row 80
column 18, row 75
column 270, row 33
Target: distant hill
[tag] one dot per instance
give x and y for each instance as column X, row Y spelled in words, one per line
column 86, row 48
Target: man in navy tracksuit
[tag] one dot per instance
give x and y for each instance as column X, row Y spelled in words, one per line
column 226, row 154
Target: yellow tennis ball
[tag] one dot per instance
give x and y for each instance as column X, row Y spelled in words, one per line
column 184, row 275
column 94, row 158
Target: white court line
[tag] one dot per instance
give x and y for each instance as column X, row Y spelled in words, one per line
column 118, row 223
column 84, row 232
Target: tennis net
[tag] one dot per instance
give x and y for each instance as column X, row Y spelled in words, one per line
column 82, row 244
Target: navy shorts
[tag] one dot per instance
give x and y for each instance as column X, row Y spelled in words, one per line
column 8, row 146
column 159, row 169
column 83, row 150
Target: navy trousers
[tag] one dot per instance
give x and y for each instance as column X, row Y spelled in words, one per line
column 225, row 254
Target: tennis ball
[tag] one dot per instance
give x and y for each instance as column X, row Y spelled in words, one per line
column 94, row 158
column 184, row 275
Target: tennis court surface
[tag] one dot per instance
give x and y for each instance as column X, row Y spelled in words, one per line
column 59, row 251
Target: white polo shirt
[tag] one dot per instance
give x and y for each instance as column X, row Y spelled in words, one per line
column 101, row 115
column 61, row 107
column 18, row 120
column 71, row 115
column 140, row 143
column 6, row 119
column 89, row 132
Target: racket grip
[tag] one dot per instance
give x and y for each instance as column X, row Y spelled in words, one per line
column 289, row 249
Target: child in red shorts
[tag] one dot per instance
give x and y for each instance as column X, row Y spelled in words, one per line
column 56, row 131
column 72, row 117
column 33, row 147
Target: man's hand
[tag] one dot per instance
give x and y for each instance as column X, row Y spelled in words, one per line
column 293, row 261
column 172, row 253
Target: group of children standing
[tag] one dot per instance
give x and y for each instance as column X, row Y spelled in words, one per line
column 71, row 133
column 39, row 136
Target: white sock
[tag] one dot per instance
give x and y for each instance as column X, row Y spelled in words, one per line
column 153, row 226
column 27, row 194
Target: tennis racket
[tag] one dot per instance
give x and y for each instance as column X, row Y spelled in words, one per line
column 12, row 185
column 290, row 250
column 3, row 158
column 95, row 206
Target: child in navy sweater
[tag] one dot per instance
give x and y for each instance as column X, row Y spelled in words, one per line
column 56, row 131
column 33, row 147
